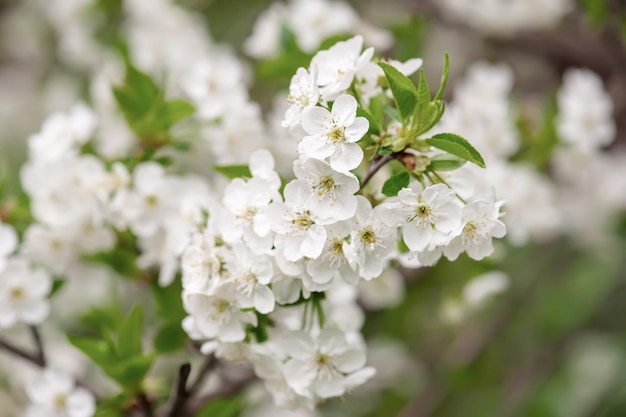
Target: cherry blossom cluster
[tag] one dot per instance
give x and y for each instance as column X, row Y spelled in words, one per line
column 311, row 22
column 584, row 177
column 504, row 16
column 267, row 253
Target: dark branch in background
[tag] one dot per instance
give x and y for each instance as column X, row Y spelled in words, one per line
column 41, row 356
column 209, row 364
column 228, row 389
column 21, row 353
column 145, row 404
column 183, row 394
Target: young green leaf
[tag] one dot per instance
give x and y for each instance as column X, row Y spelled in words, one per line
column 395, row 183
column 174, row 111
column 374, row 126
column 376, row 109
column 444, row 77
column 431, row 116
column 222, row 407
column 169, row 303
column 170, row 338
column 423, row 91
column 445, row 162
column 456, row 145
column 130, row 334
column 403, row 90
column 130, row 372
column 97, row 350
column 233, row 171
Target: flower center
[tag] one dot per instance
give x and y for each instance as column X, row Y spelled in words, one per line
column 325, row 185
column 421, row 214
column 337, row 134
column 246, row 283
column 368, row 236
column 17, row 293
column 325, row 366
column 60, row 401
column 152, row 200
column 248, row 214
column 302, row 220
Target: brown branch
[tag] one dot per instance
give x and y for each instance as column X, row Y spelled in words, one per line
column 377, row 164
column 41, row 356
column 21, row 353
column 181, row 394
column 209, row 364
column 230, row 388
column 145, row 404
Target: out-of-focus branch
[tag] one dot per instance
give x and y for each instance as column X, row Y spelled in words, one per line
column 229, row 388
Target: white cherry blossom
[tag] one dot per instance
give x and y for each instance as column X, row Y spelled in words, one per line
column 332, row 134
column 428, row 217
column 218, row 315
column 303, row 94
column 480, row 225
column 55, row 394
column 299, row 229
column 332, row 192
column 23, row 292
column 320, row 367
column 338, row 65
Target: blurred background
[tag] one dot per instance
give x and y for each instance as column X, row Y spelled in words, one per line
column 536, row 330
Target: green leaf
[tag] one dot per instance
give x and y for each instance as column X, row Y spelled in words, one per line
column 431, row 116
column 120, row 259
column 233, row 171
column 130, row 372
column 169, row 302
column 102, row 319
column 445, row 162
column 288, row 41
column 376, row 109
column 97, row 350
column 174, row 111
column 456, row 145
column 57, row 284
column 144, row 106
column 423, row 91
column 170, row 338
column 374, row 126
column 130, row 334
column 444, row 77
column 222, row 407
column 597, row 11
column 395, row 183
column 426, row 114
column 403, row 90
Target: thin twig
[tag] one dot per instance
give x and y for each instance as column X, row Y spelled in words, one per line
column 208, row 365
column 378, row 163
column 21, row 353
column 145, row 404
column 39, row 360
column 227, row 390
column 182, row 393
column 41, row 356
